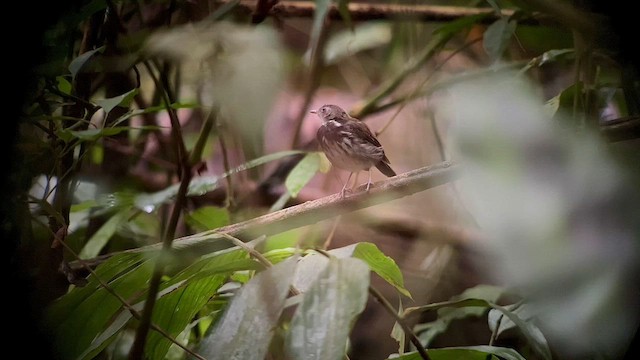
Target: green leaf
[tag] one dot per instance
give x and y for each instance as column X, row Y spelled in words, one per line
column 533, row 334
column 321, row 324
column 453, row 27
column 101, row 237
column 246, row 328
column 176, row 310
column 302, row 173
column 207, row 218
column 464, row 352
column 497, row 37
column 85, row 312
column 471, row 302
column 378, row 262
column 349, row 42
column 63, row 85
column 76, row 64
column 123, row 100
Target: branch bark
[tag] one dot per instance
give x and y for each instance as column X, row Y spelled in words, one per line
column 359, row 11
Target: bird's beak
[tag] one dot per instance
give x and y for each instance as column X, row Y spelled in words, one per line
column 314, row 111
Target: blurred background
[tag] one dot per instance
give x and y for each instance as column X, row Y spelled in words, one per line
column 536, row 100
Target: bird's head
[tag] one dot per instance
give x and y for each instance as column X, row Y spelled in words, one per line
column 331, row 112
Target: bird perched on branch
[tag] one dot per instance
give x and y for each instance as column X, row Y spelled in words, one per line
column 349, row 144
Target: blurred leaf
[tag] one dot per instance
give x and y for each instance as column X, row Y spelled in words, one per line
column 343, row 9
column 123, row 100
column 153, row 109
column 349, row 42
column 302, row 173
column 101, row 237
column 397, row 332
column 453, row 27
column 320, row 13
column 207, row 218
column 287, row 239
column 278, row 255
column 322, row 322
column 95, row 134
column 245, row 330
column 308, row 269
column 325, row 164
column 76, row 64
column 499, row 323
column 497, row 37
column 464, row 352
column 377, row 261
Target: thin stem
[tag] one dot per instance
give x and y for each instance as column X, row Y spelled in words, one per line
column 400, row 320
column 137, row 349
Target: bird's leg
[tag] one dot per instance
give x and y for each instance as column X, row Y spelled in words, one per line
column 344, row 188
column 369, row 181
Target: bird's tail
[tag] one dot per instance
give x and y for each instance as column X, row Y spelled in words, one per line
column 385, row 169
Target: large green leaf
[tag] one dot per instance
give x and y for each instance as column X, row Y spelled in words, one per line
column 178, row 300
column 322, row 322
column 79, row 316
column 464, row 352
column 177, row 309
column 76, row 64
column 302, row 173
column 246, row 328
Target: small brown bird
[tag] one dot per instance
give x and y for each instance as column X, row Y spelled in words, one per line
column 349, row 144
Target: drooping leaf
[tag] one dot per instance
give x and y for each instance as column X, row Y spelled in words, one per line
column 101, row 237
column 76, row 64
column 207, row 218
column 123, row 100
column 302, row 173
column 245, row 330
column 497, row 37
column 378, row 262
column 322, row 322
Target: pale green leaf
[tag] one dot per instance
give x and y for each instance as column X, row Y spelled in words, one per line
column 347, row 43
column 63, row 84
column 76, row 64
column 93, row 246
column 497, row 37
column 322, row 321
column 302, row 173
column 207, row 218
column 123, row 100
column 245, row 330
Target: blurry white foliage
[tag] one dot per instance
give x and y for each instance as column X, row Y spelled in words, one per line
column 557, row 212
column 239, row 69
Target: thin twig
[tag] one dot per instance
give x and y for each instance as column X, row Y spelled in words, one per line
column 400, row 320
column 327, row 242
